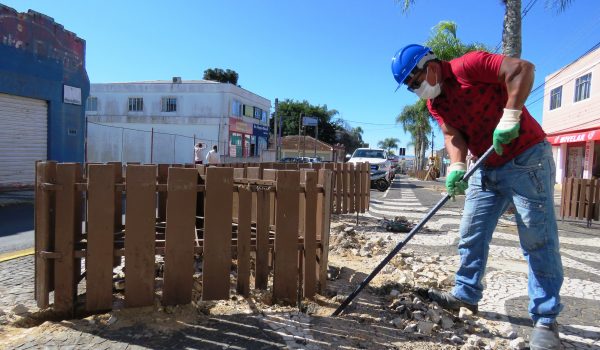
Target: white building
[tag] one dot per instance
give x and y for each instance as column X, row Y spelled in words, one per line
column 571, row 117
column 160, row 121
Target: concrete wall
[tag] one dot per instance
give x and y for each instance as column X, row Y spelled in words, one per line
column 37, row 58
column 202, row 115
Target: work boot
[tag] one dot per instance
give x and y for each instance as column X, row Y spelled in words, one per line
column 448, row 301
column 545, row 337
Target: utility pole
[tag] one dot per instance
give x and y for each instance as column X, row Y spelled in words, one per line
column 432, row 135
column 299, row 126
column 275, row 129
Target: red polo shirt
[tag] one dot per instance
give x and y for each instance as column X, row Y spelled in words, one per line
column 473, row 100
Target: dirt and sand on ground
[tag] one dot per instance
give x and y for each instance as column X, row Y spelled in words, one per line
column 392, row 312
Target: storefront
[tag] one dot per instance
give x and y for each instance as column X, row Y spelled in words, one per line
column 260, row 138
column 576, row 154
column 240, row 137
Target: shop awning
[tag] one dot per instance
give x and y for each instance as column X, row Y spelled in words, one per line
column 583, row 136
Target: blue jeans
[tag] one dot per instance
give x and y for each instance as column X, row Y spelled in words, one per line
column 527, row 181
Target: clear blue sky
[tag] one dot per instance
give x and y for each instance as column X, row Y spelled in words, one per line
column 333, row 52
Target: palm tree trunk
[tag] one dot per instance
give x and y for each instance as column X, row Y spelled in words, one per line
column 511, row 34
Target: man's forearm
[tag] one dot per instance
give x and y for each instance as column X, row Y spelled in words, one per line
column 457, row 148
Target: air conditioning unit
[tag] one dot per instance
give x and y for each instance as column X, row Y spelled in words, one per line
column 176, row 80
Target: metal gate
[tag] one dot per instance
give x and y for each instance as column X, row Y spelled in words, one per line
column 23, row 138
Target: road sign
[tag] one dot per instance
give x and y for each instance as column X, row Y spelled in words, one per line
column 309, row 121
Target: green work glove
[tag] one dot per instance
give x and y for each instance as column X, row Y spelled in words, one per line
column 507, row 129
column 455, row 185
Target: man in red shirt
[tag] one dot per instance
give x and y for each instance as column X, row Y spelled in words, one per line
column 478, row 101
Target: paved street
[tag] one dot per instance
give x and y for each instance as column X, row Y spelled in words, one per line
column 505, row 298
column 16, row 220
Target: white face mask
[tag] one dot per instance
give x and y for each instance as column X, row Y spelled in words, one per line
column 427, row 91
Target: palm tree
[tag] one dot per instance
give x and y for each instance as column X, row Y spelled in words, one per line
column 389, row 143
column 415, row 120
column 511, row 27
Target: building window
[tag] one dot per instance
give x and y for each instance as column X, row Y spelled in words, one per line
column 257, row 113
column 169, row 104
column 248, row 111
column 236, row 108
column 136, row 104
column 582, row 87
column 264, row 116
column 555, row 97
column 91, row 105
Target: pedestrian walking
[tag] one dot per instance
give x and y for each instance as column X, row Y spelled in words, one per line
column 478, row 101
column 198, row 153
column 212, row 157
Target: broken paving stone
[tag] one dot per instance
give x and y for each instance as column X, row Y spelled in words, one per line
column 394, row 293
column 518, row 344
column 464, row 313
column 398, row 322
column 349, row 230
column 456, row 339
column 425, row 327
column 111, row 320
column 434, row 315
column 447, row 322
column 418, row 315
column 20, row 309
column 410, row 328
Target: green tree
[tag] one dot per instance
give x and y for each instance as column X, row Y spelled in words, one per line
column 445, row 43
column 389, row 143
column 220, row 75
column 511, row 27
column 350, row 137
column 291, row 111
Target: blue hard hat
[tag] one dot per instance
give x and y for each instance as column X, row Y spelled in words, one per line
column 407, row 58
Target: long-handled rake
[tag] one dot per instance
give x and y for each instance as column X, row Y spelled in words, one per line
column 408, row 237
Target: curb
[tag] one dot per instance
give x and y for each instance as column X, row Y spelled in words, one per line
column 16, row 254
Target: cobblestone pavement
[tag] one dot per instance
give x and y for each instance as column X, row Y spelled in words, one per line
column 505, row 296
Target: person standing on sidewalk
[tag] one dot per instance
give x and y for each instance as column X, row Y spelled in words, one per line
column 478, row 101
column 213, row 156
column 198, row 153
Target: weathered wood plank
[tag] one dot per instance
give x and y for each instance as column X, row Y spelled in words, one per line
column 217, row 234
column 285, row 265
column 44, row 231
column 101, row 215
column 140, row 234
column 180, row 235
column 310, row 234
column 325, row 180
column 345, row 188
column 163, row 174
column 265, row 207
column 67, row 174
column 351, row 188
column 243, row 241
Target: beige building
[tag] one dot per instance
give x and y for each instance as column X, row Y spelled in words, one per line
column 571, row 117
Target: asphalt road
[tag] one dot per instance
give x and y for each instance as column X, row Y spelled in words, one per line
column 16, row 227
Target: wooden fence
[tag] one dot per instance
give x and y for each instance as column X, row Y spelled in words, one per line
column 580, row 198
column 279, row 217
column 351, row 182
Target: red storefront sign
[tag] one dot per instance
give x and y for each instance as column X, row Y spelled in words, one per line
column 240, row 126
column 575, row 137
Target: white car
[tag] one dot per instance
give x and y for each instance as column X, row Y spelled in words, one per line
column 381, row 166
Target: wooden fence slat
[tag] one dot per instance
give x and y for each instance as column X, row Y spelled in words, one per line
column 180, row 235
column 345, row 185
column 366, row 170
column 243, row 241
column 583, row 189
column 118, row 212
column 325, row 180
column 285, row 276
column 67, row 174
column 310, row 234
column 44, row 231
column 351, row 186
column 163, row 174
column 339, row 187
column 567, row 189
column 264, row 218
column 217, row 234
column 140, row 235
column 357, row 187
column 575, row 197
column 100, row 238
